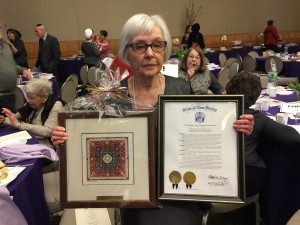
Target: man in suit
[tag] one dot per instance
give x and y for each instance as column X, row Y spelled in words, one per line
column 49, row 52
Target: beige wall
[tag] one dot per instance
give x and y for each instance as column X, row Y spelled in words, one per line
column 66, row 19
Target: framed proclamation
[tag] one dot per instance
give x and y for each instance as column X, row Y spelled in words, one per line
column 107, row 161
column 201, row 155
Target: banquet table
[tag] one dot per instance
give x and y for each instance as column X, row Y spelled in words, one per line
column 213, row 56
column 70, row 66
column 291, row 68
column 280, row 198
column 27, row 189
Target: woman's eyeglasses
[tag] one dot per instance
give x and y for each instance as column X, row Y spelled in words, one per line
column 141, row 48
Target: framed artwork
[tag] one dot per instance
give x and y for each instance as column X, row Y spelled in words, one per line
column 107, row 161
column 201, row 155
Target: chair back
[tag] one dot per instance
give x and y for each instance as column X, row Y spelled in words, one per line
column 222, row 59
column 264, row 80
column 20, row 98
column 273, row 60
column 240, row 60
column 84, row 74
column 68, row 90
column 229, row 61
column 254, row 54
column 223, row 76
column 270, row 52
column 233, row 69
column 206, row 60
column 91, row 78
column 249, row 64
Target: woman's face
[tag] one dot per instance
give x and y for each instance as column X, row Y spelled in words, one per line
column 10, row 36
column 193, row 60
column 35, row 101
column 101, row 37
column 189, row 30
column 147, row 64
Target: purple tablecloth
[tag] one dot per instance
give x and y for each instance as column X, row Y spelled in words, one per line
column 68, row 67
column 28, row 189
column 280, row 198
column 213, row 57
column 290, row 68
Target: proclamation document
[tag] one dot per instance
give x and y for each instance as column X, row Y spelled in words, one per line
column 201, row 149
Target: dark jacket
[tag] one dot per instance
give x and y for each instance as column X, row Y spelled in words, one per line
column 48, row 54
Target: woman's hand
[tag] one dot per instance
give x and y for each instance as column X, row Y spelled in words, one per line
column 244, row 124
column 58, row 135
column 191, row 72
column 11, row 116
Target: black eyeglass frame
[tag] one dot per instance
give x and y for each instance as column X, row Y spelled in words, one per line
column 147, row 46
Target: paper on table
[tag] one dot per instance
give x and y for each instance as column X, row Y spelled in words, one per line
column 15, row 138
column 170, row 70
column 95, row 216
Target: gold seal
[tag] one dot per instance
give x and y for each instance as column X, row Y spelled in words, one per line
column 189, row 178
column 175, row 177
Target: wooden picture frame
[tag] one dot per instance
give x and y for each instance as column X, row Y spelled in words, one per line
column 107, row 161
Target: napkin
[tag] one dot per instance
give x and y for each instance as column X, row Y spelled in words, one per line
column 10, row 213
column 21, row 152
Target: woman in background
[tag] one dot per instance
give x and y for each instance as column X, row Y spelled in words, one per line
column 185, row 38
column 90, row 49
column 40, row 113
column 193, row 69
column 196, row 38
column 103, row 44
column 17, row 46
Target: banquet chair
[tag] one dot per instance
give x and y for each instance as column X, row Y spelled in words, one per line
column 229, row 61
column 270, row 52
column 222, row 59
column 249, row 64
column 223, row 76
column 240, row 60
column 68, row 90
column 84, row 74
column 233, row 69
column 273, row 59
column 206, row 60
column 20, row 98
column 264, row 80
column 254, row 54
column 229, row 207
column 91, row 77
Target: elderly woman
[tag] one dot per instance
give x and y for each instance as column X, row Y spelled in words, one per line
column 193, row 69
column 39, row 114
column 145, row 44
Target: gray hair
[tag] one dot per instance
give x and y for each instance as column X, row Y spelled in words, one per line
column 143, row 23
column 39, row 86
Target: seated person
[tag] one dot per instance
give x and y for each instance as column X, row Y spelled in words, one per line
column 39, row 114
column 192, row 68
column 264, row 129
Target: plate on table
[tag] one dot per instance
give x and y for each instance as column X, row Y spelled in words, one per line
column 12, row 173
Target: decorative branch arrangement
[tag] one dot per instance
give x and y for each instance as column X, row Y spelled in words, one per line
column 191, row 12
